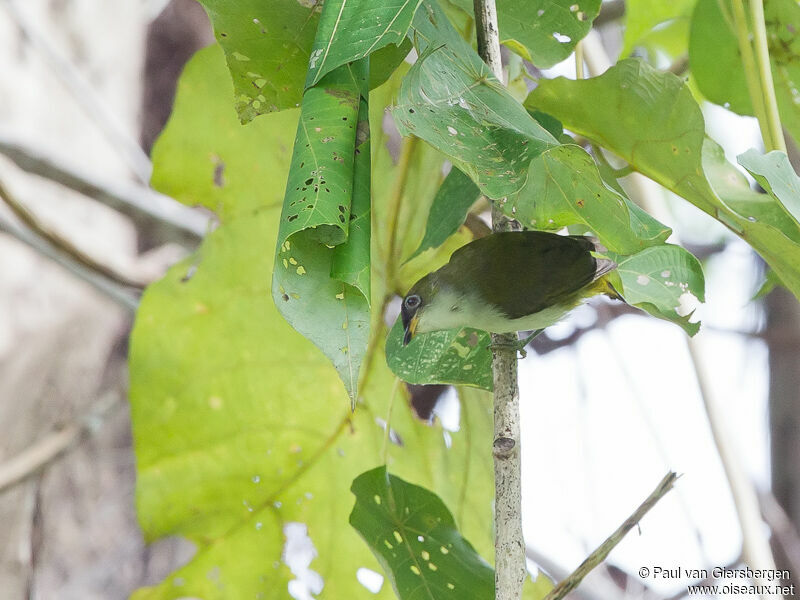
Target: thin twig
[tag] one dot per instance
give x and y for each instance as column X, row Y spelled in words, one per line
column 509, row 544
column 64, row 245
column 175, row 222
column 602, row 551
column 116, row 292
column 95, row 108
column 41, row 453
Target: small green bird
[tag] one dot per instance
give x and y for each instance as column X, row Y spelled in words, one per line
column 508, row 282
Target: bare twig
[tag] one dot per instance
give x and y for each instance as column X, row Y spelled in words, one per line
column 64, row 245
column 509, row 544
column 602, row 551
column 782, row 528
column 599, row 585
column 43, row 452
column 755, row 546
column 146, row 207
column 88, row 99
column 116, row 292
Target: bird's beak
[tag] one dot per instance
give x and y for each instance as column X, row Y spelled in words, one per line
column 410, row 327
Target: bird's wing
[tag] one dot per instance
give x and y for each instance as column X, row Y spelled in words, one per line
column 524, row 272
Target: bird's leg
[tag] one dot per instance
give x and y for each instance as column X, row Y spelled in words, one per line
column 519, row 345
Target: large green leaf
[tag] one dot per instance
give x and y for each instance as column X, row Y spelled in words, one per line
column 451, row 100
column 214, row 178
column 455, row 356
column 449, row 210
column 717, row 66
column 353, row 29
column 775, row 174
column 237, row 422
column 268, row 46
column 643, row 16
column 656, row 280
column 321, row 277
column 565, row 188
column 651, row 120
column 544, row 32
column 415, row 538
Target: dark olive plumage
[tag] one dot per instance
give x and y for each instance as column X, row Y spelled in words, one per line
column 503, row 279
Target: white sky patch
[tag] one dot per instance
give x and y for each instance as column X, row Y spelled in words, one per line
column 370, row 579
column 298, row 553
column 686, row 304
column 448, row 410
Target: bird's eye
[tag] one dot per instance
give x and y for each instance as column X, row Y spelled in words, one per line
column 413, row 301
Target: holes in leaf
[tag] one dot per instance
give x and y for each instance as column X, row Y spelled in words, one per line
column 298, row 554
column 370, row 579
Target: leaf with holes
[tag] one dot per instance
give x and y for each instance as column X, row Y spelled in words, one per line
column 353, row 29
column 717, row 65
column 650, row 119
column 565, row 188
column 415, row 538
column 774, row 173
column 451, row 100
column 268, row 46
column 239, row 429
column 455, row 356
column 449, row 210
column 657, row 280
column 544, row 32
column 321, row 277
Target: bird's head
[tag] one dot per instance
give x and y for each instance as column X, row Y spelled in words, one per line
column 413, row 307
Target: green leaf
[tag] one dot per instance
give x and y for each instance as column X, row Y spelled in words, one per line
column 353, row 29
column 651, row 120
column 449, row 210
column 565, row 188
column 717, row 66
column 321, row 277
column 656, row 278
column 451, row 100
column 643, row 16
column 544, row 32
column 415, row 538
column 198, row 166
column 454, row 356
column 268, row 46
column 237, row 422
column 775, row 175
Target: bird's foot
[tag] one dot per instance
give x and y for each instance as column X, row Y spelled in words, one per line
column 518, row 345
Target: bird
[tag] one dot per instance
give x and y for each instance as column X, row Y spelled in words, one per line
column 508, row 282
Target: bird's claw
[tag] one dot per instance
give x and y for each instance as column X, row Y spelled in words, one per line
column 517, row 346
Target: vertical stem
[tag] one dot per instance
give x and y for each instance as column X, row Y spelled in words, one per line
column 765, row 76
column 750, row 70
column 579, row 74
column 509, row 545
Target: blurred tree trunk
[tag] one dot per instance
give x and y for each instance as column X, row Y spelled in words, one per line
column 783, row 342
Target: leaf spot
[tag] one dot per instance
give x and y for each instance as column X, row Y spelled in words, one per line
column 642, row 280
column 398, row 537
column 415, row 569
